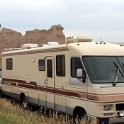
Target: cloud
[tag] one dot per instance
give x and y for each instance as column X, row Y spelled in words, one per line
column 94, row 17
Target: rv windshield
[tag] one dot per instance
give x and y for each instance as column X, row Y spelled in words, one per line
column 105, row 69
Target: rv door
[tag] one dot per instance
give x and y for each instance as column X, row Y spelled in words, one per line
column 50, row 82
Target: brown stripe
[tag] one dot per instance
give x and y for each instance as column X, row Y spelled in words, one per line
column 113, row 98
column 48, row 89
column 95, row 97
column 83, row 95
column 13, row 80
column 37, row 51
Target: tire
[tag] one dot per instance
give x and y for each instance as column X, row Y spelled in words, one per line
column 104, row 121
column 80, row 116
column 25, row 104
column 23, row 101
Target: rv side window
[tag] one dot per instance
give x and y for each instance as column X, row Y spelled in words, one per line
column 41, row 65
column 75, row 64
column 60, row 65
column 49, row 68
column 9, row 64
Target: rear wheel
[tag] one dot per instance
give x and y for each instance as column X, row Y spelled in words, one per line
column 25, row 104
column 23, row 101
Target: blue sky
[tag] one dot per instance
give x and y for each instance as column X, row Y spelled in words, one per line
column 100, row 19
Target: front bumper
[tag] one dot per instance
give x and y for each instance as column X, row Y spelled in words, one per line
column 116, row 120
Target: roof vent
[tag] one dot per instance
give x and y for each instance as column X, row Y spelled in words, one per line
column 75, row 39
column 51, row 44
column 29, row 46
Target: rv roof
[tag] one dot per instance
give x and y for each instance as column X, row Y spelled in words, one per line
column 82, row 48
column 96, row 48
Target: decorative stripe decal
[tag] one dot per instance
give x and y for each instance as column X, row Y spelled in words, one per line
column 42, row 88
column 82, row 95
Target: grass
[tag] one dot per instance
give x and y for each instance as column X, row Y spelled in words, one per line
column 14, row 114
column 11, row 114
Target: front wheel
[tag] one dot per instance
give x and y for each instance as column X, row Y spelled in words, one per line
column 80, row 115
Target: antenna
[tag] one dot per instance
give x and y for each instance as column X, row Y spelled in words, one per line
column 101, row 39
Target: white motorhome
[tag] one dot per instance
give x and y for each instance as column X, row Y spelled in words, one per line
column 79, row 78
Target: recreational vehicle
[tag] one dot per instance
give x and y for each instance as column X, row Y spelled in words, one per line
column 79, row 77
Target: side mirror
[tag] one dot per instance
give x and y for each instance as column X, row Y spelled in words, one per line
column 79, row 73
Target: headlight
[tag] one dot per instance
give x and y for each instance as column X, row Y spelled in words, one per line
column 107, row 107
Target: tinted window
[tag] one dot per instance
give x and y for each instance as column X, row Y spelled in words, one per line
column 105, row 69
column 75, row 64
column 60, row 65
column 41, row 65
column 9, row 64
column 49, row 68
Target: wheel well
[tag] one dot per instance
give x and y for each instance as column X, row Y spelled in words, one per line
column 79, row 110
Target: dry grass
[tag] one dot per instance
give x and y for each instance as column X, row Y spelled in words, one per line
column 13, row 114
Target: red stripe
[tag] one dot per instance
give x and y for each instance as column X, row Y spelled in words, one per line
column 66, row 92
column 47, row 89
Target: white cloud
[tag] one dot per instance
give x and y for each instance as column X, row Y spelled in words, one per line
column 31, row 4
column 94, row 17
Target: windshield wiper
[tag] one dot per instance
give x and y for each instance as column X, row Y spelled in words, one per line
column 121, row 72
column 123, row 66
column 116, row 74
column 116, row 77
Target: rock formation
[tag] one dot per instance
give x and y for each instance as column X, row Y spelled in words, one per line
column 43, row 36
column 13, row 39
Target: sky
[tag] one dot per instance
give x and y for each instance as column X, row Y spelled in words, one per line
column 99, row 19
